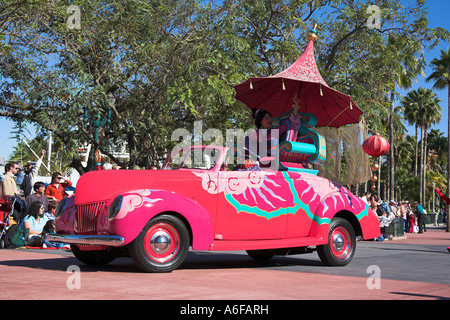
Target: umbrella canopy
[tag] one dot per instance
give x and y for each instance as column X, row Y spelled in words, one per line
column 275, row 93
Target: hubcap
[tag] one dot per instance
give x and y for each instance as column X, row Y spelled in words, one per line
column 338, row 242
column 341, row 243
column 161, row 242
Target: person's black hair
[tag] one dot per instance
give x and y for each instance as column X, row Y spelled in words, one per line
column 259, row 114
column 54, row 175
column 37, row 185
column 34, row 208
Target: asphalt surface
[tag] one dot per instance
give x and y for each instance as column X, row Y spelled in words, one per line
column 415, row 268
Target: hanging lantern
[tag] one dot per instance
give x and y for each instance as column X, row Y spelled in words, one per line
column 375, row 146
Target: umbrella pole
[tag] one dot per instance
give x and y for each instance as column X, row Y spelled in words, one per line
column 339, row 114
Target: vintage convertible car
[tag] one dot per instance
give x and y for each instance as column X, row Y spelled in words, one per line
column 155, row 216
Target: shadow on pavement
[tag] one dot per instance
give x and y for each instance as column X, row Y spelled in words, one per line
column 194, row 261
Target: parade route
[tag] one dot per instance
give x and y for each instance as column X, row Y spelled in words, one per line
column 56, row 274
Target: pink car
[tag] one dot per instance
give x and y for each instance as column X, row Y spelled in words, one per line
column 154, row 216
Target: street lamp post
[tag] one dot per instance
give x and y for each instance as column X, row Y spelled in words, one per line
column 96, row 122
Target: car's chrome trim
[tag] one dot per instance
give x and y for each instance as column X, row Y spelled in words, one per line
column 112, row 241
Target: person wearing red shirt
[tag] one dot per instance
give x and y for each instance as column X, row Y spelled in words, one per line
column 56, row 190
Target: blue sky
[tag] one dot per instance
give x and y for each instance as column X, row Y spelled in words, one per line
column 437, row 17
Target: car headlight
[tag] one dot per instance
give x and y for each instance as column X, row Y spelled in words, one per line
column 115, row 207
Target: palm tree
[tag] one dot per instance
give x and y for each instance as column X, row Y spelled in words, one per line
column 421, row 107
column 411, row 112
column 441, row 78
column 404, row 72
column 437, row 145
column 411, row 105
column 431, row 115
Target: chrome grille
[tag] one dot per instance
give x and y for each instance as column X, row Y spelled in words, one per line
column 87, row 217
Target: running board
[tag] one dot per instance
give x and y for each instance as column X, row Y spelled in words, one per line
column 233, row 245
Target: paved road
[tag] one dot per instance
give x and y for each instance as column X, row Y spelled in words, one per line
column 414, row 268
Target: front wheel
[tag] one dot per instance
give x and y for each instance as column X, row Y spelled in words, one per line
column 341, row 244
column 162, row 245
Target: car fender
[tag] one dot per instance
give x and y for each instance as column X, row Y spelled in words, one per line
column 140, row 206
column 346, row 205
column 66, row 216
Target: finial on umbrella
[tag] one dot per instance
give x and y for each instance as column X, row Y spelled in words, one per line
column 313, row 33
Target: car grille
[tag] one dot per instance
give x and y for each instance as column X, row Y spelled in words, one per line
column 87, row 217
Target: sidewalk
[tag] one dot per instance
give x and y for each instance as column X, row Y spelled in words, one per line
column 47, row 271
column 434, row 235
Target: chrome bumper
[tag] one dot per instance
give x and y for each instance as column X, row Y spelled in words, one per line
column 111, row 241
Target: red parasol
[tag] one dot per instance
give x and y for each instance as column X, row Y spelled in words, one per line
column 275, row 93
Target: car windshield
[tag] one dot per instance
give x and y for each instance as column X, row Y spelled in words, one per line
column 202, row 158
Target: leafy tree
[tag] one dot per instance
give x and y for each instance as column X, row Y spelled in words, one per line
column 161, row 65
column 422, row 108
column 441, row 78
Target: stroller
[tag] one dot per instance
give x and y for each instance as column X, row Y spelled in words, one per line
column 11, row 212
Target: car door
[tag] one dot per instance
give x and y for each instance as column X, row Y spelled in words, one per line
column 250, row 206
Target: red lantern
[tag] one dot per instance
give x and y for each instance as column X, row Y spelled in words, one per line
column 375, row 146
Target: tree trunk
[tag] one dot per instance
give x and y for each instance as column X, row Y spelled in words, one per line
column 448, row 159
column 391, row 149
column 421, row 169
column 417, row 151
column 379, row 177
column 77, row 165
column 424, row 181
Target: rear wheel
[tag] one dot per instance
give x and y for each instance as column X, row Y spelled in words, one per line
column 162, row 245
column 341, row 244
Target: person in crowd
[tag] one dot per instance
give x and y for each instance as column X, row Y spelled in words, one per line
column 50, row 214
column 30, row 175
column 384, row 225
column 48, row 228
column 383, row 207
column 107, row 166
column 8, row 185
column 38, row 195
column 393, row 207
column 19, row 180
column 374, row 203
column 402, row 214
column 366, row 197
column 420, row 217
column 35, row 221
column 56, row 190
column 392, row 215
column 412, row 222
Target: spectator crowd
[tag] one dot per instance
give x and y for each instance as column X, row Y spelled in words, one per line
column 411, row 216
column 35, row 201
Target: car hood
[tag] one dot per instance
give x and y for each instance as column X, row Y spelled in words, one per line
column 105, row 185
